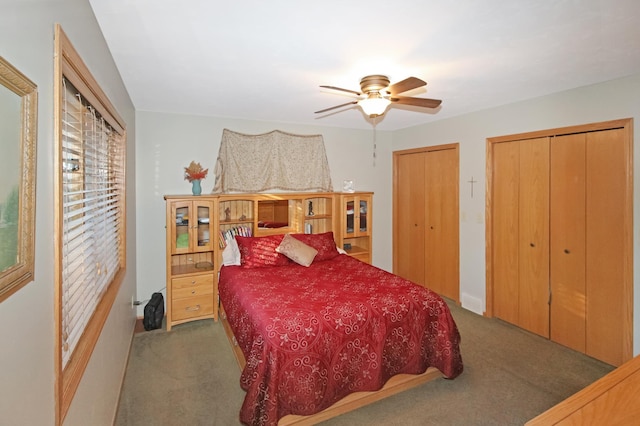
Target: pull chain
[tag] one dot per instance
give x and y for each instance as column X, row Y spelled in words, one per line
column 374, row 140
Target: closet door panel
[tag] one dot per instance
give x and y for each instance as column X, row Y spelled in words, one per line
column 605, row 245
column 505, row 267
column 583, row 253
column 410, row 220
column 441, row 245
column 533, row 216
column 567, row 242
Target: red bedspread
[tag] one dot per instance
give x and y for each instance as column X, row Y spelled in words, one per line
column 314, row 335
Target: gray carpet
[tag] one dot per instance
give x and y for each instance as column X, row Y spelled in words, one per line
column 190, row 376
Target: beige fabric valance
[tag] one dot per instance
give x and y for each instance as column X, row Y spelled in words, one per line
column 274, row 160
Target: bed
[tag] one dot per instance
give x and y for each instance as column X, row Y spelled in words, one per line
column 314, row 328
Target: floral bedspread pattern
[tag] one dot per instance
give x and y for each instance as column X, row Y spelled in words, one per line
column 313, row 335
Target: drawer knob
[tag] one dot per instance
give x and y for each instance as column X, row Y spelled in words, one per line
column 192, row 308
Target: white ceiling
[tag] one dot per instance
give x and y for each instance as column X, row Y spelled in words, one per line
column 264, row 60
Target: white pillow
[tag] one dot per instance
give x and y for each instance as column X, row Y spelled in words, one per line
column 231, row 254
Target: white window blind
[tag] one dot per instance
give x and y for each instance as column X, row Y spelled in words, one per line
column 92, row 204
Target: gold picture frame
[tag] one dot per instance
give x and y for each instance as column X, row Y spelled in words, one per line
column 18, row 135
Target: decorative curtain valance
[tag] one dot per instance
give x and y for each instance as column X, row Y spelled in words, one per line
column 274, row 160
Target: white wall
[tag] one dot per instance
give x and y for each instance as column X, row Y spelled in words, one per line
column 27, row 333
column 607, row 101
column 166, row 143
column 169, row 142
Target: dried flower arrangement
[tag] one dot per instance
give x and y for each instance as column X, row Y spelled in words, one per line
column 195, row 172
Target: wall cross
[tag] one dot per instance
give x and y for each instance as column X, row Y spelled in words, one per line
column 472, row 182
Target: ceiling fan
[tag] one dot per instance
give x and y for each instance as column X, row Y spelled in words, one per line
column 376, row 95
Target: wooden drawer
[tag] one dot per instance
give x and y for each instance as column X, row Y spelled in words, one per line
column 191, row 286
column 191, row 307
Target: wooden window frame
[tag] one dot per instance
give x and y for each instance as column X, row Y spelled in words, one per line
column 70, row 66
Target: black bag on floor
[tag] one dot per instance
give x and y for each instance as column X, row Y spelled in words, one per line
column 154, row 312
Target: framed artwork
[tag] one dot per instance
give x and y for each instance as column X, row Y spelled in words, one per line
column 18, row 127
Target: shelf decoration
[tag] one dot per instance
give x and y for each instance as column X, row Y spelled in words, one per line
column 194, row 174
column 347, row 186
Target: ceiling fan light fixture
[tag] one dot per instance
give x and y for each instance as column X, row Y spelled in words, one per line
column 374, row 104
column 376, row 95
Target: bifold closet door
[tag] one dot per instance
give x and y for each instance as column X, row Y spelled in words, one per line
column 506, row 187
column 410, row 217
column 561, row 258
column 608, row 318
column 587, row 243
column 533, row 215
column 521, row 233
column 426, row 219
column 568, row 239
column 442, row 236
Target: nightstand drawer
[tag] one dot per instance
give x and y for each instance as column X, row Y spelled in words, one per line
column 191, row 286
column 192, row 307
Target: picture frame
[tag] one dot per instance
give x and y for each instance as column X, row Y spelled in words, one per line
column 18, row 135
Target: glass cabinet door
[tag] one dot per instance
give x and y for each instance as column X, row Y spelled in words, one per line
column 202, row 228
column 191, row 226
column 350, row 229
column 363, row 225
column 180, row 234
column 356, row 211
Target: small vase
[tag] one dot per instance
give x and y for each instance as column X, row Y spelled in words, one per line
column 196, row 189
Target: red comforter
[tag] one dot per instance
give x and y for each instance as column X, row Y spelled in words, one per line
column 314, row 335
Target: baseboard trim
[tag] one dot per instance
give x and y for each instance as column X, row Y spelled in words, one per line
column 472, row 303
column 139, row 327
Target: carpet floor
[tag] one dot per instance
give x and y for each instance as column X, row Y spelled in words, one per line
column 190, row 376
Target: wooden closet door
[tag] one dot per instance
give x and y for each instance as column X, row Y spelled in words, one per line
column 505, row 231
column 533, row 216
column 567, row 242
column 409, row 218
column 608, row 310
column 520, row 240
column 588, row 201
column 442, row 224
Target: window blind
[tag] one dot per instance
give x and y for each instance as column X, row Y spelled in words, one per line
column 92, row 204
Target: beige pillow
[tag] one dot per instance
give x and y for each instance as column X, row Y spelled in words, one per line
column 296, row 250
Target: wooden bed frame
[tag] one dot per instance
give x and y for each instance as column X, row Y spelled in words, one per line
column 394, row 385
column 613, row 399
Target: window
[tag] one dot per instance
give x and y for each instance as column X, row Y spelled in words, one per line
column 90, row 225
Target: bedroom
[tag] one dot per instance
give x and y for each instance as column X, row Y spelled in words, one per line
column 27, row 361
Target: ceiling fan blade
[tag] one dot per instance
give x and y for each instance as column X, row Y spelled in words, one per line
column 406, row 85
column 337, row 106
column 343, row 90
column 419, row 102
